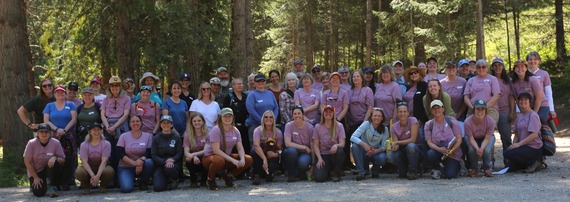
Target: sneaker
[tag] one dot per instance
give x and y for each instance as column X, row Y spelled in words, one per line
column 52, row 192
column 360, row 177
column 412, row 175
column 472, row 173
column 463, row 169
column 212, row 184
column 269, row 178
column 488, row 173
column 228, row 180
column 256, row 180
column 532, row 167
column 173, row 184
column 435, row 174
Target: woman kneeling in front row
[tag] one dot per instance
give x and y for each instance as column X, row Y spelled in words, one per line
column 368, row 144
column 44, row 159
column 167, row 156
column 94, row 153
column 328, row 141
column 405, row 153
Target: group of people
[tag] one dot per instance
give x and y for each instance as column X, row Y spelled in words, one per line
column 309, row 126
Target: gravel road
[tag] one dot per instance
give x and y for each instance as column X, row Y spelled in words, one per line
column 552, row 184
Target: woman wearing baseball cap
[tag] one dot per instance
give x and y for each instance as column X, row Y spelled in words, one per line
column 167, row 153
column 94, row 153
column 328, row 142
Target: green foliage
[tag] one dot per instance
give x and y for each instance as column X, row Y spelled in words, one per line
column 11, row 175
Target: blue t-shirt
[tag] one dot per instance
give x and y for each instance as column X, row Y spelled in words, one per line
column 178, row 113
column 59, row 118
column 257, row 103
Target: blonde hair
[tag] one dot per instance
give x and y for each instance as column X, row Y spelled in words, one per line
column 191, row 131
column 220, row 124
column 332, row 129
column 212, row 96
column 88, row 136
column 273, row 127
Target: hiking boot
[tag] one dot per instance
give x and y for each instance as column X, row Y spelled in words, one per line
column 488, row 173
column 103, row 189
column 532, row 167
column 143, row 186
column 472, row 173
column 412, row 175
column 173, row 184
column 360, row 177
column 335, row 178
column 212, row 184
column 402, row 174
column 435, row 174
column 269, row 178
column 52, row 192
column 256, row 180
column 375, row 174
column 228, row 180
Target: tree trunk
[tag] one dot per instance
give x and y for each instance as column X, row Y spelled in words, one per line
column 249, row 43
column 125, row 51
column 309, row 34
column 380, row 47
column 368, row 61
column 105, row 48
column 517, row 32
column 333, row 37
column 560, row 43
column 508, row 38
column 15, row 68
column 241, row 42
column 480, row 31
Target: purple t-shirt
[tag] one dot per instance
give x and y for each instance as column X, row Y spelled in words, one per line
column 385, row 98
column 257, row 135
column 543, row 77
column 321, row 133
column 482, row 88
column 93, row 154
column 533, row 87
column 409, row 98
column 526, row 124
column 306, row 99
column 148, row 112
column 345, row 86
column 336, row 99
column 455, row 91
column 442, row 135
column 317, row 86
column 300, row 136
column 200, row 142
column 135, row 148
column 360, row 100
column 503, row 102
column 232, row 138
column 439, row 77
column 40, row 155
column 115, row 107
column 76, row 101
column 479, row 131
column 59, row 118
column 404, row 133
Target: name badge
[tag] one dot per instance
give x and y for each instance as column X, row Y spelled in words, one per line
column 142, row 144
column 459, row 87
column 91, row 113
column 234, row 138
column 407, row 133
column 66, row 107
column 50, row 154
column 202, row 140
column 486, row 80
column 313, row 95
column 295, row 133
column 259, row 101
column 418, row 93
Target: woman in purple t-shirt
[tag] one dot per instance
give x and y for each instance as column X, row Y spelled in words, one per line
column 387, row 92
column 308, row 98
column 526, row 150
column 134, row 152
column 328, row 141
column 267, row 144
column 297, row 155
column 479, row 129
column 506, row 102
column 194, row 142
column 525, row 82
column 94, row 153
column 405, row 153
column 361, row 101
column 148, row 110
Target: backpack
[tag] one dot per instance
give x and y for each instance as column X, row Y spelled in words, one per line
column 447, row 120
column 548, row 143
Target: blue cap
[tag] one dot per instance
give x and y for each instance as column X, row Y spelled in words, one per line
column 368, row 70
column 167, row 118
column 184, row 76
column 463, row 62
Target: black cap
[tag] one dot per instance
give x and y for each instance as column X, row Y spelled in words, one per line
column 184, row 76
column 73, row 86
column 259, row 77
column 95, row 125
column 431, row 58
column 525, row 95
column 298, row 62
column 44, row 126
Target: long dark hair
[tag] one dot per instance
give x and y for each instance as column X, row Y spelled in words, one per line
column 515, row 76
column 504, row 75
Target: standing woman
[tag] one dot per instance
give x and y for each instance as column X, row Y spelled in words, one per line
column 440, row 132
column 326, row 81
column 479, row 129
column 297, row 155
column 36, row 105
column 194, row 142
column 483, row 87
column 134, row 152
column 61, row 116
column 308, row 98
column 525, row 82
column 416, row 90
column 218, row 154
column 236, row 101
column 328, row 141
column 453, row 85
column 506, row 103
column 186, row 95
column 436, row 93
column 258, row 101
column 387, row 92
column 361, row 101
column 526, row 150
column 94, row 153
column 432, row 70
column 206, row 105
column 44, row 158
column 266, row 152
column 336, row 97
column 87, row 113
column 176, row 108
column 276, row 88
column 150, row 80
column 286, row 101
column 405, row 152
column 148, row 110
column 368, row 143
column 533, row 59
column 166, row 152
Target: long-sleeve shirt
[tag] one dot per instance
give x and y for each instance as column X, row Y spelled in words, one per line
column 166, row 146
column 257, row 103
column 367, row 134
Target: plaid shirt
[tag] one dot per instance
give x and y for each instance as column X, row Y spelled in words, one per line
column 286, row 104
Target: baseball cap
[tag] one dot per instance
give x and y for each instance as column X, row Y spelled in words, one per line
column 480, row 104
column 95, row 125
column 87, row 90
column 368, row 70
column 317, row 67
column 335, row 74
column 96, row 79
column 259, row 77
column 499, row 60
column 166, row 117
column 463, row 62
column 221, row 69
column 397, row 62
column 215, row 80
column 449, row 63
column 436, row 102
column 73, row 86
column 44, row 126
column 328, row 107
column 184, row 76
column 431, row 58
column 525, row 95
column 298, row 62
column 226, row 111
column 59, row 88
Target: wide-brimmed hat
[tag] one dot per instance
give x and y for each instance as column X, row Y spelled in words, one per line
column 146, row 75
column 117, row 80
column 413, row 68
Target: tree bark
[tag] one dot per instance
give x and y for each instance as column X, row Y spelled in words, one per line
column 480, row 31
column 333, row 37
column 560, row 43
column 368, row 61
column 124, row 41
column 104, row 47
column 309, row 34
column 517, row 32
column 238, row 37
column 15, row 71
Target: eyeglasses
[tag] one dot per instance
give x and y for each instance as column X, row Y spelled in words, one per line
column 481, row 67
column 205, row 89
column 268, row 117
column 47, row 85
column 316, row 71
column 343, row 72
column 413, row 73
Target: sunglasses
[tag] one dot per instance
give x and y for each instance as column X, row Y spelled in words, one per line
column 206, row 89
column 414, row 73
column 343, row 72
column 316, row 71
column 268, row 117
column 402, row 103
column 47, row 85
column 146, row 88
column 481, row 67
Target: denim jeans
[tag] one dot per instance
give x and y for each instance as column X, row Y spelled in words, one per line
column 362, row 160
column 487, row 154
column 162, row 176
column 521, row 157
column 504, row 127
column 543, row 114
column 126, row 175
column 406, row 158
column 450, row 166
column 296, row 162
column 333, row 162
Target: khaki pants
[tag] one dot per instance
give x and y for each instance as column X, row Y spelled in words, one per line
column 83, row 177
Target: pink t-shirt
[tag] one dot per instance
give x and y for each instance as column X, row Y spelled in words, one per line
column 257, row 135
column 321, row 133
column 200, row 142
column 335, row 99
column 135, row 148
column 409, row 98
column 442, row 135
column 526, row 124
column 148, row 112
column 479, row 131
column 533, row 87
column 360, row 100
column 232, row 138
column 115, row 107
column 93, row 154
column 300, row 136
column 41, row 154
column 455, row 91
column 404, row 133
column 543, row 77
column 306, row 99
column 385, row 98
column 503, row 102
column 482, row 88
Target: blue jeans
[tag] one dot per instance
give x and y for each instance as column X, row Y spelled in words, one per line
column 126, row 176
column 543, row 114
column 487, row 154
column 162, row 176
column 333, row 162
column 504, row 127
column 362, row 160
column 406, row 155
column 450, row 166
column 521, row 157
column 296, row 163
